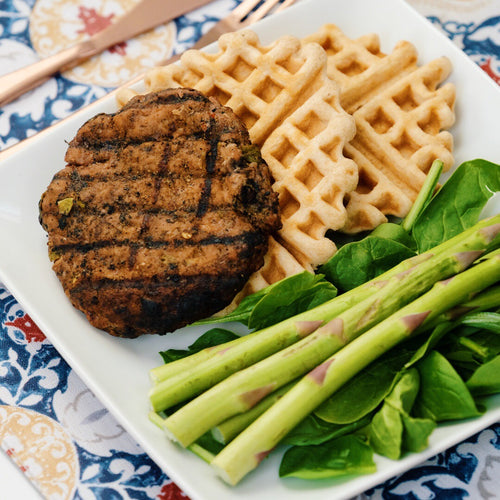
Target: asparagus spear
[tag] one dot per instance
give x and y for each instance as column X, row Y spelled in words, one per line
column 250, row 447
column 424, row 195
column 246, row 388
column 198, row 450
column 230, row 428
column 192, row 375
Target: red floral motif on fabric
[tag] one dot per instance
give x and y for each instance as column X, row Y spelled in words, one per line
column 31, row 331
column 486, row 66
column 93, row 22
column 171, row 491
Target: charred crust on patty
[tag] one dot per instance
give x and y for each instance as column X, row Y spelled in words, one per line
column 162, row 212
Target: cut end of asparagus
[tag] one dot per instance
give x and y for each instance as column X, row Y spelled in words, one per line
column 224, row 475
column 170, row 435
column 156, row 419
column 202, row 453
column 218, row 435
column 153, row 377
column 233, row 471
column 160, row 423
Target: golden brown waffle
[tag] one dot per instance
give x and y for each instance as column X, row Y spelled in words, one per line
column 402, row 114
column 291, row 109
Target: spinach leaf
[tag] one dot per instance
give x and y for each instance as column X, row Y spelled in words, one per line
column 364, row 392
column 416, row 432
column 314, row 430
column 345, row 455
column 486, row 379
column 387, row 245
column 467, row 347
column 386, row 432
column 294, row 295
column 432, row 340
column 456, row 343
column 394, row 232
column 279, row 301
column 405, row 391
column 361, row 261
column 392, row 430
column 485, row 320
column 458, row 204
column 211, row 338
column 443, row 394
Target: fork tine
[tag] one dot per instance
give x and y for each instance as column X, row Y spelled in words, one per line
column 261, row 11
column 284, row 5
column 244, row 8
column 265, row 8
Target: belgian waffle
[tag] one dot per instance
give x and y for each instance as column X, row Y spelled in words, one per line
column 402, row 113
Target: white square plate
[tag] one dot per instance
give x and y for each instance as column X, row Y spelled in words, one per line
column 117, row 369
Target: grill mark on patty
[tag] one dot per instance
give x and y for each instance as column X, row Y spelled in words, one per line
column 144, row 225
column 153, row 264
column 144, row 157
column 116, row 226
column 210, row 159
column 247, row 237
column 115, row 145
column 131, row 210
column 144, row 285
column 133, row 249
column 181, row 194
column 129, row 176
column 162, row 172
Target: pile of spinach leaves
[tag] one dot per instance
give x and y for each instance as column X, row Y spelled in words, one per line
column 393, row 405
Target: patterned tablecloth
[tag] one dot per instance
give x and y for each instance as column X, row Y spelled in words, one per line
column 51, row 425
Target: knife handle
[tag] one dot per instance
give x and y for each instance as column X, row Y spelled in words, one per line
column 13, row 85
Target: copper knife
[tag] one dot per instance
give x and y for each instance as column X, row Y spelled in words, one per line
column 146, row 15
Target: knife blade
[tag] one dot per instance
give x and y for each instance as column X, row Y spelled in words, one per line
column 141, row 18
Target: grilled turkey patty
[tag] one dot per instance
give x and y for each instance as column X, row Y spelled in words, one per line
column 161, row 214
